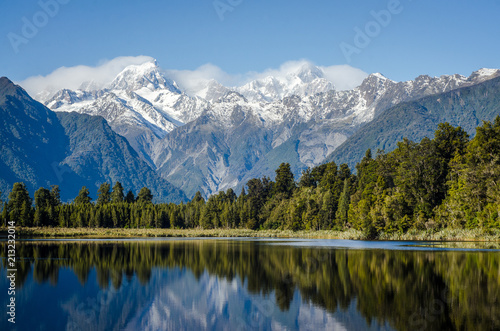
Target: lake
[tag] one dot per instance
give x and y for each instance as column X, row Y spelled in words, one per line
column 253, row 284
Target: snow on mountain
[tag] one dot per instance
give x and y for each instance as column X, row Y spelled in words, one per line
column 140, row 103
column 483, row 74
column 307, row 80
column 232, row 130
column 146, row 75
column 212, row 91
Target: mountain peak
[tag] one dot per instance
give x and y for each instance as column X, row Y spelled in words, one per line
column 374, row 81
column 212, row 91
column 231, row 97
column 378, row 75
column 308, row 72
column 148, row 65
column 484, row 74
column 147, row 74
column 4, row 81
column 7, row 84
column 7, row 87
column 304, row 79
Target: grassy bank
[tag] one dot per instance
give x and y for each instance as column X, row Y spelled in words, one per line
column 210, row 233
column 446, row 234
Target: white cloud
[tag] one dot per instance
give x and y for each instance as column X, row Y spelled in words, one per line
column 342, row 76
column 73, row 77
column 280, row 73
column 192, row 81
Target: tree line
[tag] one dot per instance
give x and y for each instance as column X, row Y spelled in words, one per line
column 447, row 181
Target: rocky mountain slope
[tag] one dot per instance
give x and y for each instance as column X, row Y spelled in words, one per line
column 466, row 107
column 42, row 148
column 32, row 140
column 222, row 136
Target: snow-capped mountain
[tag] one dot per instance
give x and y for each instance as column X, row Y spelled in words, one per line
column 306, row 81
column 222, row 136
column 140, row 104
column 146, row 75
column 212, row 91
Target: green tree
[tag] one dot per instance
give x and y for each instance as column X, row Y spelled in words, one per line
column 130, row 198
column 55, row 195
column 164, row 221
column 145, row 196
column 83, row 197
column 43, row 201
column 104, row 194
column 284, row 182
column 197, row 197
column 19, row 205
column 5, row 214
column 254, row 201
column 474, row 190
column 307, row 179
column 117, row 194
column 450, row 140
column 343, row 208
column 26, row 217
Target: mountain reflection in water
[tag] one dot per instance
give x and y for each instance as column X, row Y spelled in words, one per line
column 250, row 284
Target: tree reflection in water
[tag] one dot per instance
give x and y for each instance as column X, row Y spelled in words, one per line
column 431, row 290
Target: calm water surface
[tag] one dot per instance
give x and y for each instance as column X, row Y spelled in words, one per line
column 253, row 284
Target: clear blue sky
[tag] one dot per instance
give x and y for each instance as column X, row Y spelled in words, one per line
column 425, row 37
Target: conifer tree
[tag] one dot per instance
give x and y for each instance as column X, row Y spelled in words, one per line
column 117, row 194
column 104, row 194
column 55, row 195
column 19, row 205
column 83, row 197
column 145, row 196
column 343, row 207
column 130, row 198
column 284, row 182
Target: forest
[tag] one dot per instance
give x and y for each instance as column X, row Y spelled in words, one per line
column 449, row 181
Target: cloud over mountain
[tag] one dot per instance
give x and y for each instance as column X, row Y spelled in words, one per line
column 191, row 81
column 73, row 77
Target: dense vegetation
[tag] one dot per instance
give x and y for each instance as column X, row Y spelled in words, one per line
column 445, row 182
column 464, row 107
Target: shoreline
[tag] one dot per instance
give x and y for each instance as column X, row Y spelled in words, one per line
column 351, row 234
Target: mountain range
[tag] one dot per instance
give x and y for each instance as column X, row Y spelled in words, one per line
column 466, row 107
column 43, row 148
column 219, row 137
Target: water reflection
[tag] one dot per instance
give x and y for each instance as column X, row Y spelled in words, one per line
column 255, row 285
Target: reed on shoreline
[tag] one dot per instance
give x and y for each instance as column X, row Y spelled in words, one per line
column 413, row 235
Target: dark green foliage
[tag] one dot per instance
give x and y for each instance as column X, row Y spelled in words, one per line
column 130, row 198
column 43, row 203
column 145, row 195
column 83, row 197
column 19, row 205
column 55, row 195
column 104, row 194
column 343, row 208
column 447, row 181
column 117, row 194
column 465, row 107
column 284, row 181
